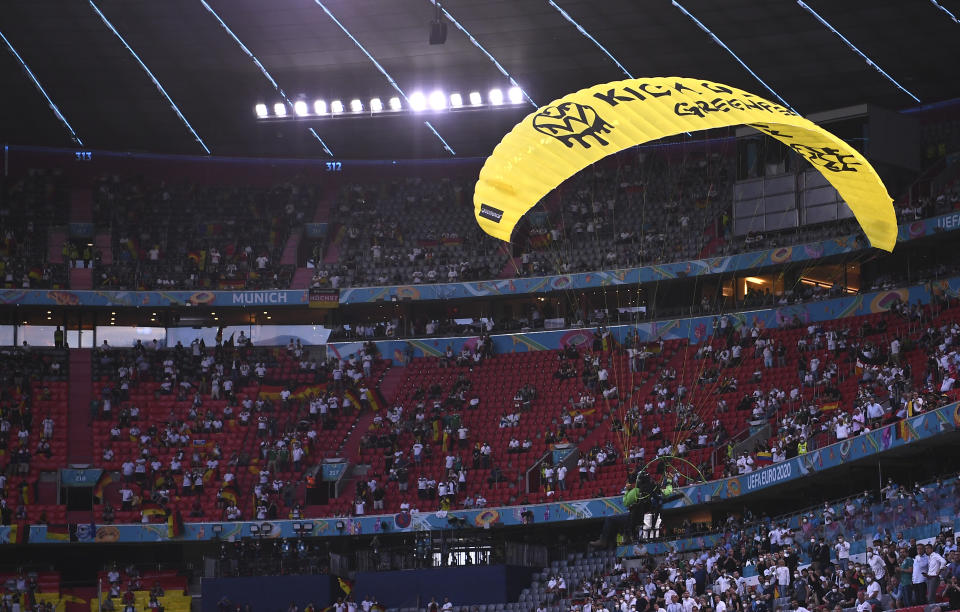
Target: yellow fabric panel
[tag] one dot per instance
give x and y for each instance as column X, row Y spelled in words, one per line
column 560, row 139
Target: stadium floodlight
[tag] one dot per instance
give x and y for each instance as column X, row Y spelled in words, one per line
column 336, row 107
column 376, row 105
column 438, row 101
column 261, row 110
column 418, row 101
column 495, row 97
column 456, row 100
column 279, row 109
column 300, row 108
column 320, row 107
column 356, row 105
column 395, row 103
column 475, row 98
column 515, row 94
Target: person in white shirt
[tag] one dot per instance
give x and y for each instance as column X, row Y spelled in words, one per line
column 843, row 552
column 783, row 576
column 919, row 576
column 877, row 564
column 935, row 565
column 873, row 590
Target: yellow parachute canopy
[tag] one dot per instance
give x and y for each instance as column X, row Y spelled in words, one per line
column 571, row 133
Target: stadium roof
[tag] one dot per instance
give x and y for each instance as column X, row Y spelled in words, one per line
column 106, row 96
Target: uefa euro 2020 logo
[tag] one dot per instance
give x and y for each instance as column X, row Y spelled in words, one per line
column 570, row 122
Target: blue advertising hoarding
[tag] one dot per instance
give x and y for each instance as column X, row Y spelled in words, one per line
column 692, row 329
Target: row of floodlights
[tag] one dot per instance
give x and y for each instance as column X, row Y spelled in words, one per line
column 418, row 101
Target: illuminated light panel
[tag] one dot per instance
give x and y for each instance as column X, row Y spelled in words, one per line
column 496, row 97
column 163, row 92
column 438, row 100
column 395, row 103
column 475, row 98
column 261, row 67
column 476, row 43
column 320, row 107
column 854, row 48
column 280, row 109
column 456, row 100
column 515, row 95
column 382, row 70
column 261, row 110
column 336, row 107
column 300, row 108
column 356, row 105
column 418, row 101
column 376, row 105
column 722, row 44
column 43, row 92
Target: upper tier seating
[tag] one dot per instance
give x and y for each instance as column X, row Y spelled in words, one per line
column 29, row 206
column 188, row 236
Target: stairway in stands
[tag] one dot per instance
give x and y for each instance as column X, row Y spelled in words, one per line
column 80, row 426
column 301, row 278
column 81, row 278
column 390, row 383
column 291, row 248
column 55, row 239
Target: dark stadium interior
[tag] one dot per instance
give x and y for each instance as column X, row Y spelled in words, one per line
column 259, row 352
column 114, row 105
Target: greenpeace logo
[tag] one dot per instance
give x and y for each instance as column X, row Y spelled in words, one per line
column 491, row 213
column 769, row 475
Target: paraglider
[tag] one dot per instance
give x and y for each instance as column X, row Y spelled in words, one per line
column 560, row 139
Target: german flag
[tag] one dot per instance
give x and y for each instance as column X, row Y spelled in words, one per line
column 59, row 533
column 198, row 257
column 229, row 494
column 26, row 494
column 351, row 396
column 301, row 392
column 345, row 585
column 152, row 509
column 134, row 247
column 830, row 407
column 106, row 479
column 208, row 475
column 175, row 525
column 538, row 241
column 375, row 399
column 906, row 432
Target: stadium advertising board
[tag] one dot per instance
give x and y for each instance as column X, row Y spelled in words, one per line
column 693, row 329
column 324, row 298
